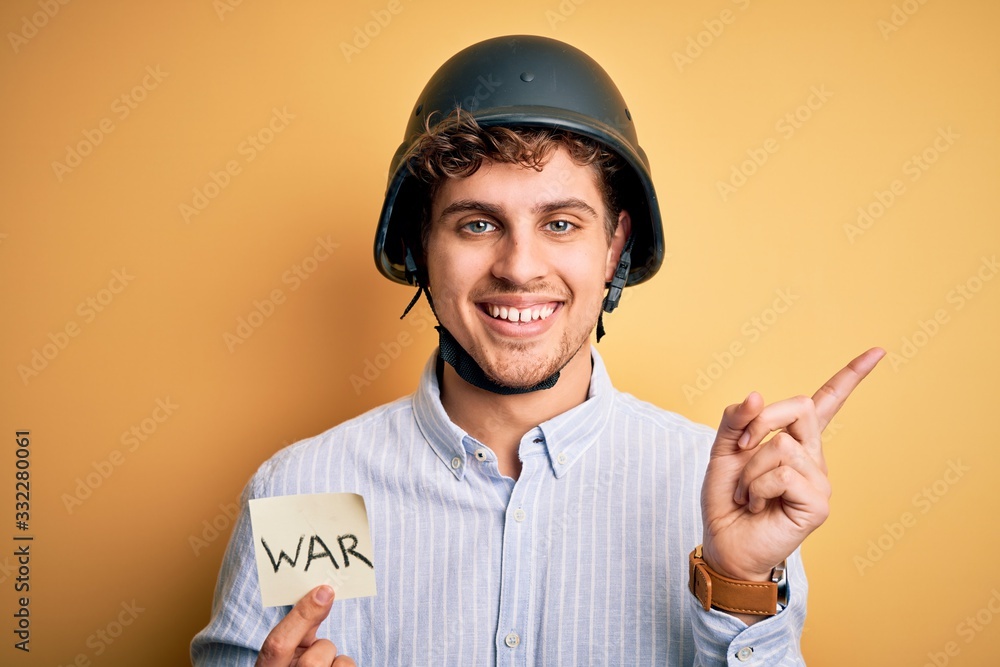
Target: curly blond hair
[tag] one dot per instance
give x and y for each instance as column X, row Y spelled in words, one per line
column 457, row 146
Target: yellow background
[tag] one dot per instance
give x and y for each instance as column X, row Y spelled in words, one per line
column 226, row 67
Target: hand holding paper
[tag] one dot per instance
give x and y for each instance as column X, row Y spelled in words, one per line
column 308, row 540
column 293, row 641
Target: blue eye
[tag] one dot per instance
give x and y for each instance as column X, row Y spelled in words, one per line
column 560, row 226
column 480, row 226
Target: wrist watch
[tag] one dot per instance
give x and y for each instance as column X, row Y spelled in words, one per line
column 758, row 598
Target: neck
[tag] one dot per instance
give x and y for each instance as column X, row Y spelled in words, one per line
column 501, row 421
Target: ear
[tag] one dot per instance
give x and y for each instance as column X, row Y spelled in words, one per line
column 617, row 243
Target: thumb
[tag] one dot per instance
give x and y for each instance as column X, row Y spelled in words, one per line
column 734, row 420
column 297, row 629
column 312, row 609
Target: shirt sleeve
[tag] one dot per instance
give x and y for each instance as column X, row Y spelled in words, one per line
column 721, row 639
column 239, row 622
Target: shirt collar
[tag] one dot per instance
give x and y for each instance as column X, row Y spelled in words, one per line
column 566, row 436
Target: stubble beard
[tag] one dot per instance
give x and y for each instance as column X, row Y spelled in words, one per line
column 515, row 365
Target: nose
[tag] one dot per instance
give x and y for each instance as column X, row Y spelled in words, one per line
column 520, row 259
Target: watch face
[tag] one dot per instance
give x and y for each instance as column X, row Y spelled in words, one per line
column 779, row 577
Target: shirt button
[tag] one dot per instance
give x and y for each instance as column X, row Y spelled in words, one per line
column 456, row 463
column 538, row 441
column 744, row 654
column 561, row 459
column 519, row 514
column 481, row 454
column 512, row 640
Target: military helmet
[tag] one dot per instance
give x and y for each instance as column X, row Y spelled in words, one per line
column 523, row 81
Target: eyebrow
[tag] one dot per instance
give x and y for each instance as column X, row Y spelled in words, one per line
column 465, row 205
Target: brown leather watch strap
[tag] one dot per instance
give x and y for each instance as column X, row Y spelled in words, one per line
column 759, row 598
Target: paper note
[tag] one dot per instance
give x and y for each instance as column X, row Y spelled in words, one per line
column 307, row 540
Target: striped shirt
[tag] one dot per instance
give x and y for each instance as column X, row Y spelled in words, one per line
column 582, row 560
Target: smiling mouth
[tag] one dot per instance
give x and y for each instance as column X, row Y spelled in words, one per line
column 511, row 314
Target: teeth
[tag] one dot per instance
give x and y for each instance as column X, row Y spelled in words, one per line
column 515, row 315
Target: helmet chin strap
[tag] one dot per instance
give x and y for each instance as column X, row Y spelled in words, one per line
column 455, row 354
column 616, row 285
column 462, row 361
column 470, row 371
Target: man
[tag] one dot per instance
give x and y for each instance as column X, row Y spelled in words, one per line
column 522, row 510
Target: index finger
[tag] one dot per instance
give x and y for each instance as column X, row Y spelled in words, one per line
column 831, row 396
column 297, row 629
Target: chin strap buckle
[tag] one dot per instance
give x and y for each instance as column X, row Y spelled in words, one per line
column 413, row 276
column 417, row 276
column 412, row 272
column 618, row 280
